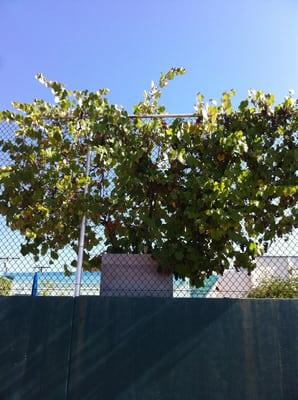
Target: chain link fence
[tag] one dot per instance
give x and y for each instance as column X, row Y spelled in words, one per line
column 136, row 275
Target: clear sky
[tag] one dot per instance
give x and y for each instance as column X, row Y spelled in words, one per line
column 123, row 45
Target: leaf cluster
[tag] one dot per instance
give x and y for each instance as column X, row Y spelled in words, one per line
column 276, row 289
column 5, row 286
column 200, row 195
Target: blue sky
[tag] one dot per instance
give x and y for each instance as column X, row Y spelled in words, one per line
column 123, row 45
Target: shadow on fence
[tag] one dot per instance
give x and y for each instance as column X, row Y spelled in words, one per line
column 127, row 349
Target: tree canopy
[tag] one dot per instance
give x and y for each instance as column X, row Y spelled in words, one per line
column 199, row 194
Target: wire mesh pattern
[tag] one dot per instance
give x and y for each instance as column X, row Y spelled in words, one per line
column 135, row 274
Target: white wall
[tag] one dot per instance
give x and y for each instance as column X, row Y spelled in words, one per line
column 235, row 284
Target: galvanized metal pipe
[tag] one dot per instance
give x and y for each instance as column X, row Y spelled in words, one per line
column 162, row 116
column 82, row 235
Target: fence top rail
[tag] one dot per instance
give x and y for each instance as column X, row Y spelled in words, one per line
column 141, row 116
column 163, row 116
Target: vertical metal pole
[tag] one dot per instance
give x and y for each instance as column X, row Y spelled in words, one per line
column 82, row 235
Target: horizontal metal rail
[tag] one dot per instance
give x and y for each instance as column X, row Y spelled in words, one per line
column 163, row 116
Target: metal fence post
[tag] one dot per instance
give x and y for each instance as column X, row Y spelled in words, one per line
column 82, row 235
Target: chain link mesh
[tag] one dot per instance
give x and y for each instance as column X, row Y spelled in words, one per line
column 135, row 275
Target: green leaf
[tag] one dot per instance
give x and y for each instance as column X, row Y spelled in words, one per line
column 179, row 255
column 54, row 255
column 200, row 194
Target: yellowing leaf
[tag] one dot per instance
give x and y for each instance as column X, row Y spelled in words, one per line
column 221, row 157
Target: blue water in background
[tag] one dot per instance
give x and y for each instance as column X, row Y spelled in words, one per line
column 59, row 280
column 55, row 277
column 203, row 291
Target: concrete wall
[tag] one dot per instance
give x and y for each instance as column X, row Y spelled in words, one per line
column 235, row 284
column 232, row 285
column 274, row 267
column 133, row 275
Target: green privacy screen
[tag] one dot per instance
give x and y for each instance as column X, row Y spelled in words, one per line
column 148, row 349
column 35, row 335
